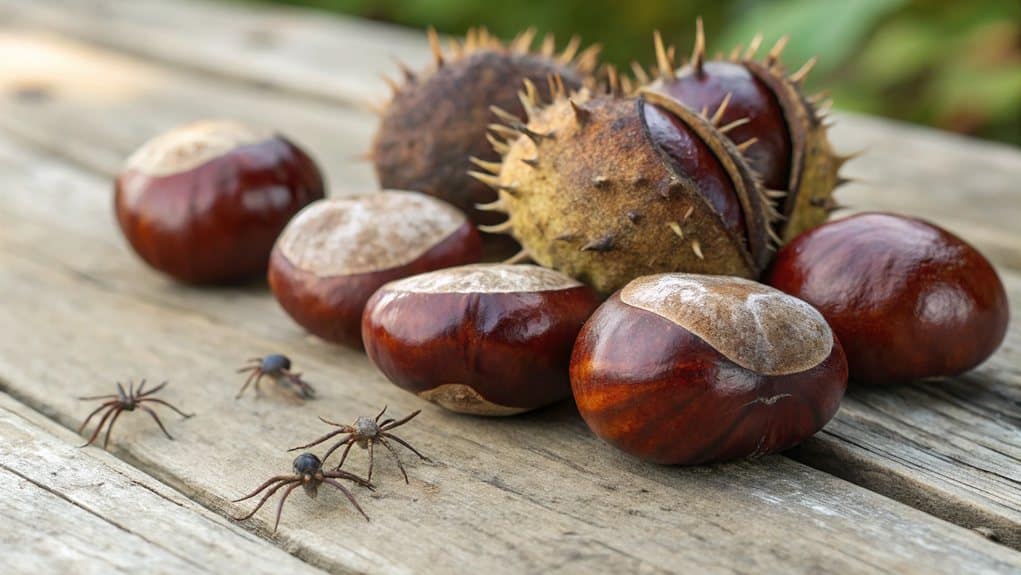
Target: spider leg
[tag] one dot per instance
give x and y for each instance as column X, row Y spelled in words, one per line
column 346, row 427
column 405, row 444
column 372, row 443
column 158, row 422
column 94, row 412
column 161, row 402
column 381, row 414
column 266, row 484
column 120, row 391
column 347, row 493
column 402, row 421
column 258, row 378
column 280, row 506
column 266, row 497
column 95, row 397
column 248, row 381
column 340, row 474
column 247, row 368
column 343, row 457
column 99, row 427
column 397, row 458
column 141, row 386
column 320, row 440
column 109, row 428
column 153, row 390
column 305, row 390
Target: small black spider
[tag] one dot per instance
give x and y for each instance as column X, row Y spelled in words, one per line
column 366, row 432
column 126, row 401
column 309, row 474
column 278, row 367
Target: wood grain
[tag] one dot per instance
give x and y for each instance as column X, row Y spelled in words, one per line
column 72, row 510
column 963, row 184
column 966, row 481
column 96, row 107
column 314, row 54
column 533, row 493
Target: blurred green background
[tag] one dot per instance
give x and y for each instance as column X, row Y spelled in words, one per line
column 952, row 64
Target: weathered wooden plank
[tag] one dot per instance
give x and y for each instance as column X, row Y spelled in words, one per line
column 68, row 510
column 973, row 493
column 977, row 498
column 96, row 107
column 533, row 493
column 961, row 183
column 316, row 54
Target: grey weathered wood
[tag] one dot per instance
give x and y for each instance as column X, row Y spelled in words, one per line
column 69, row 510
column 96, row 107
column 958, row 182
column 316, row 54
column 534, row 493
column 961, row 481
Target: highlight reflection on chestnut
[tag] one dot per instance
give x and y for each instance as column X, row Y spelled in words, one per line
column 689, row 369
column 487, row 339
column 337, row 252
column 907, row 299
column 204, row 202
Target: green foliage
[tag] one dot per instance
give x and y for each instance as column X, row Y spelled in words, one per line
column 946, row 63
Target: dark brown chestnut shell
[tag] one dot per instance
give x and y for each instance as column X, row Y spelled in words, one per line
column 674, row 377
column 205, row 202
column 907, row 299
column 336, row 253
column 485, row 339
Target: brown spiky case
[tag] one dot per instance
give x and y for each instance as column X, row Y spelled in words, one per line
column 814, row 167
column 586, row 191
column 438, row 118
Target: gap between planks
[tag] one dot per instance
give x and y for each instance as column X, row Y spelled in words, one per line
column 83, row 511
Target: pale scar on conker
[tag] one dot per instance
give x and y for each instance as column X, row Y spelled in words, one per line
column 689, row 369
column 337, row 252
column 485, row 339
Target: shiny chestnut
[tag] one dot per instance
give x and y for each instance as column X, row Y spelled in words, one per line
column 337, row 252
column 689, row 369
column 907, row 299
column 204, row 202
column 484, row 339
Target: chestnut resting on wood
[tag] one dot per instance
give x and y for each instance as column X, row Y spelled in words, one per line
column 337, row 252
column 907, row 299
column 204, row 203
column 487, row 339
column 689, row 369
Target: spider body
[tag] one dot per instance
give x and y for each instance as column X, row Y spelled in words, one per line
column 278, row 368
column 308, row 473
column 366, row 432
column 125, row 400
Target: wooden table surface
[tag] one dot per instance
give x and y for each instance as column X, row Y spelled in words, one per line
column 923, row 478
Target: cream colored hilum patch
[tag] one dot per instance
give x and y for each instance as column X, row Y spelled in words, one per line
column 361, row 234
column 463, row 399
column 192, row 145
column 486, row 278
column 755, row 326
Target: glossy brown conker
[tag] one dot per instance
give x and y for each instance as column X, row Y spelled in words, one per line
column 690, row 369
column 204, row 202
column 484, row 339
column 335, row 253
column 907, row 299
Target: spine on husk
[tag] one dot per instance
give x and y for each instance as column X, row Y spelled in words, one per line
column 594, row 187
column 813, row 171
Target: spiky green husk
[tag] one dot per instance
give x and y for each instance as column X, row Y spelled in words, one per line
column 586, row 192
